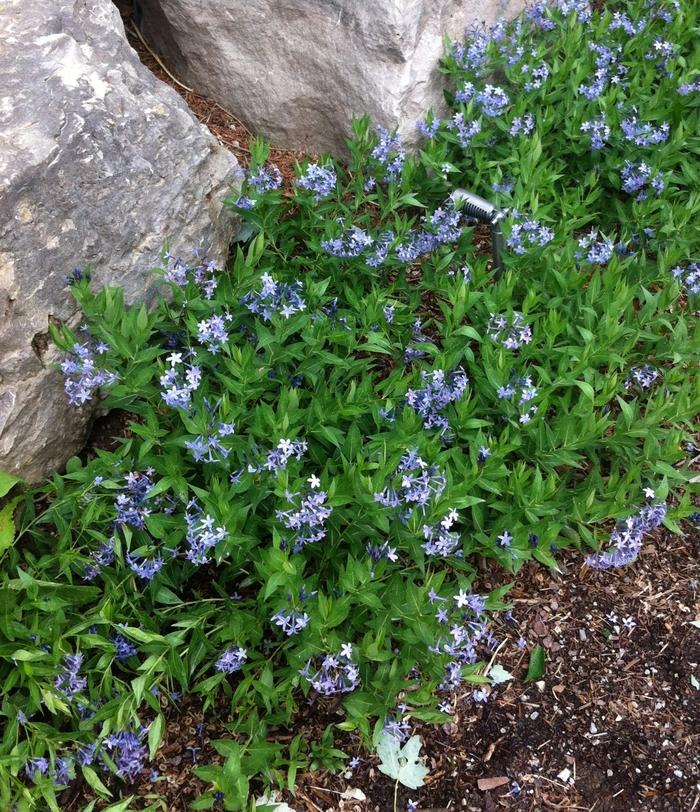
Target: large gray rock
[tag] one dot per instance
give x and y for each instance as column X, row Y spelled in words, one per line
column 99, row 163
column 298, row 71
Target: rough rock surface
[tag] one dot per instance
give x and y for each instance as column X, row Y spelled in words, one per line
column 100, row 162
column 297, row 71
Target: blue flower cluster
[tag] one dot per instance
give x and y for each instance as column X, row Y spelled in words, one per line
column 466, row 130
column 102, row 557
column 621, row 21
column 231, row 660
column 414, row 353
column 599, row 130
column 626, row 540
column 468, row 630
column 415, row 483
column 522, row 125
column 275, row 297
column 689, row 87
column 212, row 332
column 663, row 51
column 381, row 250
column 607, row 70
column 597, row 252
column 429, row 128
column 265, row 178
column 123, row 648
column 472, row 53
column 643, row 377
column 637, row 177
column 439, row 391
column 127, row 751
column 440, row 539
column 492, row 100
column 61, row 774
column 179, row 382
column 441, row 227
column 203, row 274
column 201, row 535
column 291, row 621
column 83, row 375
column 520, row 389
column 510, row 333
column 208, row 447
column 320, row 180
column 644, row 134
column 145, row 568
column 688, row 276
column 132, row 504
column 389, row 153
column 337, row 673
column 528, row 233
column 308, row 519
column 350, row 244
column 538, row 75
column 68, row 682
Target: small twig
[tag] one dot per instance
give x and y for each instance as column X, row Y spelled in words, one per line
column 158, row 59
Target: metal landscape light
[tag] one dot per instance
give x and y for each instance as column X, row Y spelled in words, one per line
column 485, row 212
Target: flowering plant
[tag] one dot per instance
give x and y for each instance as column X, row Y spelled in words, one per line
column 326, row 435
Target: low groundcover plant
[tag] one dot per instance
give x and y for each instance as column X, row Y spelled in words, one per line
column 326, row 436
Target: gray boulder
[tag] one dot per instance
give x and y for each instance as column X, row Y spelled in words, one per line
column 298, row 71
column 100, row 162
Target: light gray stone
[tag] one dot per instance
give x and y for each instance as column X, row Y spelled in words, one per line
column 297, row 71
column 100, row 162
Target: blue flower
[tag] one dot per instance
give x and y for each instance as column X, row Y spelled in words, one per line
column 68, row 682
column 439, row 391
column 128, row 753
column 123, row 648
column 321, row 180
column 350, row 244
column 599, row 131
column 275, row 297
column 266, row 178
column 336, row 674
column 493, row 101
column 231, row 660
column 389, row 153
column 626, row 540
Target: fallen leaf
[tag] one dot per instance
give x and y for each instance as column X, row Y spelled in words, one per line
column 491, row 783
column 402, row 763
column 353, row 794
column 498, row 674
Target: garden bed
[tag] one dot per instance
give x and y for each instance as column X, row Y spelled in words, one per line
column 357, row 487
column 613, row 725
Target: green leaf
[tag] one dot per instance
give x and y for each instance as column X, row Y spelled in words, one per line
column 587, row 389
column 155, row 734
column 94, row 781
column 536, row 668
column 403, row 764
column 121, row 806
column 7, row 481
column 7, row 525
